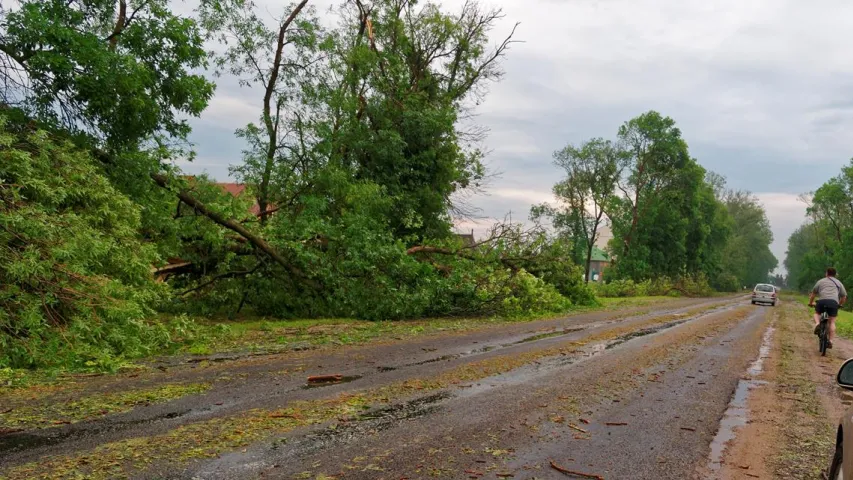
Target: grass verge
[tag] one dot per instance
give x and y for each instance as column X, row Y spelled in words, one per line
column 21, row 414
column 807, row 437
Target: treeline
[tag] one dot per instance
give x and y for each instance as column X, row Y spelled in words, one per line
column 670, row 218
column 352, row 172
column 824, row 239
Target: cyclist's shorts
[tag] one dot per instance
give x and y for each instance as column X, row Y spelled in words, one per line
column 828, row 306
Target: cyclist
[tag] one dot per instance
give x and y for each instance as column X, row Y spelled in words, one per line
column 830, row 295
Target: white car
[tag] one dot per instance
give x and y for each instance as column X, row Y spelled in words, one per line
column 764, row 293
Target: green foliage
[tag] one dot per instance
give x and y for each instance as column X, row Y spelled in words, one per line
column 677, row 220
column 826, row 239
column 123, row 76
column 747, row 254
column 694, row 286
column 586, row 194
column 75, row 275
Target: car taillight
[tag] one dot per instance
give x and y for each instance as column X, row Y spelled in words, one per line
column 773, row 295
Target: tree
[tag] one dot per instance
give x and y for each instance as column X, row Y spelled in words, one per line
column 747, row 254
column 75, row 281
column 118, row 71
column 656, row 154
column 589, row 190
column 805, row 259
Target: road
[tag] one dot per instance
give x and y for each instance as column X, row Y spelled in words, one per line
column 637, row 393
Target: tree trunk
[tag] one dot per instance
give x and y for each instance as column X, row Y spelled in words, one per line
column 588, row 260
column 259, row 243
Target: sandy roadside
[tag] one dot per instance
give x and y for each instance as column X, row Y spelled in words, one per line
column 791, row 418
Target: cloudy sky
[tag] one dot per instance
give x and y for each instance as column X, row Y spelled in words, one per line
column 761, row 89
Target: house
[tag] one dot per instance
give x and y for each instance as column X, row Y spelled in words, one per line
column 467, row 238
column 599, row 262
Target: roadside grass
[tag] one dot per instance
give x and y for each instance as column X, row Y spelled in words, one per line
column 807, row 436
column 22, row 412
column 267, row 334
column 843, row 324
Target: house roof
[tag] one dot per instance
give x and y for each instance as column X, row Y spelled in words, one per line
column 599, row 255
column 233, row 188
column 237, row 189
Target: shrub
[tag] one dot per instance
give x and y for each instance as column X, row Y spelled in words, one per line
column 75, row 279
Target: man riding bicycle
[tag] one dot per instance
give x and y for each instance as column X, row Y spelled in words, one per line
column 831, row 295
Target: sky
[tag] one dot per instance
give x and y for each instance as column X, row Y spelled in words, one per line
column 762, row 91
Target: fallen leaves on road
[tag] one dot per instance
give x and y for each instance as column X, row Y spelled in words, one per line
column 566, row 471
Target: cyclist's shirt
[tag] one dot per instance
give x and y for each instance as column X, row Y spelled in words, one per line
column 829, row 288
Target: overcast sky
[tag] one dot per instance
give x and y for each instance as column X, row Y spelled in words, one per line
column 761, row 89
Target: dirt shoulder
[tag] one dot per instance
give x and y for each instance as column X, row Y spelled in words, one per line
column 791, row 419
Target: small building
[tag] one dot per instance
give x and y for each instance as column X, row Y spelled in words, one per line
column 467, row 238
column 599, row 262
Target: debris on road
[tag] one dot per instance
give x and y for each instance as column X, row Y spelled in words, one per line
column 566, row 471
column 325, row 378
column 575, row 427
column 615, row 424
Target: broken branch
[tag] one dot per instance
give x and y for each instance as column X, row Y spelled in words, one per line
column 560, row 469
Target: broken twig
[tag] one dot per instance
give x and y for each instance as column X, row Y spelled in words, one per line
column 325, row 378
column 560, row 469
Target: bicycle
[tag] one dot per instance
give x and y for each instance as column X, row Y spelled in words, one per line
column 823, row 333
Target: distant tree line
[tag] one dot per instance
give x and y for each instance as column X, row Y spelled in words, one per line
column 669, row 216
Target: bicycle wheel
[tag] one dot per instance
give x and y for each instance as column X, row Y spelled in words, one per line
column 824, row 336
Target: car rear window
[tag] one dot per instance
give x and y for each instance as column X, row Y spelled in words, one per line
column 765, row 288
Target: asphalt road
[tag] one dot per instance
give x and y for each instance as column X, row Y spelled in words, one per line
column 631, row 394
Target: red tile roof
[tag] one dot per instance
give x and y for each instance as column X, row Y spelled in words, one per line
column 233, row 188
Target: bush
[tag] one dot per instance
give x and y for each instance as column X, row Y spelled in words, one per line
column 694, row 286
column 75, row 278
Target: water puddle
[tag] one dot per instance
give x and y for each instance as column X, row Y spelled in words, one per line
column 645, row 331
column 346, row 379
column 737, row 413
column 541, row 336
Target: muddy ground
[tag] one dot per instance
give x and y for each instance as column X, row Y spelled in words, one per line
column 693, row 388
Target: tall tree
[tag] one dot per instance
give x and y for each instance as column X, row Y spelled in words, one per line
column 588, row 191
column 657, row 152
column 748, row 254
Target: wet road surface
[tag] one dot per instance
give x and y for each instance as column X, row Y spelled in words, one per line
column 610, row 394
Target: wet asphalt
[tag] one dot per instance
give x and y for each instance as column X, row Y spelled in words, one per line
column 662, row 389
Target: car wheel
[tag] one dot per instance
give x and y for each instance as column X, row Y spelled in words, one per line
column 773, row 304
column 836, row 471
column 753, row 302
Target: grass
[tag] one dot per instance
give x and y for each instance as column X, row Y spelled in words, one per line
column 258, row 333
column 24, row 414
column 807, row 436
column 843, row 324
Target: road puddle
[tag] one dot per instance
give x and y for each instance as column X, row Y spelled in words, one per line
column 737, row 413
column 345, row 379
